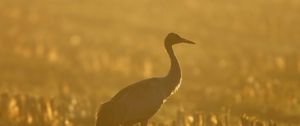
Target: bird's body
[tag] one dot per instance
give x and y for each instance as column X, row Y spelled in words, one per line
column 140, row 101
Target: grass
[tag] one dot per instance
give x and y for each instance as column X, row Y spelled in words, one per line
column 23, row 110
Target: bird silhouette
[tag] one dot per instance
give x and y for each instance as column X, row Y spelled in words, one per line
column 138, row 102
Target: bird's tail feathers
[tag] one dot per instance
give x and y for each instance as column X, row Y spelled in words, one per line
column 104, row 116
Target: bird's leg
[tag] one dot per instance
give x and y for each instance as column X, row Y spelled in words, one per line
column 144, row 123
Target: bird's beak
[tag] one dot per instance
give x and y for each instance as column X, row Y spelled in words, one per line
column 187, row 41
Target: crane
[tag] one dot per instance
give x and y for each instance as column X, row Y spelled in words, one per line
column 138, row 102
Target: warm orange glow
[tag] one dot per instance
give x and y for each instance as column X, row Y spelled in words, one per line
column 60, row 59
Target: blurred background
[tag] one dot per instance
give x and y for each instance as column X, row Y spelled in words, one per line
column 60, row 59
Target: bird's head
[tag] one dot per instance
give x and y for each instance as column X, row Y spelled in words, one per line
column 173, row 38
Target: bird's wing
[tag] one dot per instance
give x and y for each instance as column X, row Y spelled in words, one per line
column 138, row 101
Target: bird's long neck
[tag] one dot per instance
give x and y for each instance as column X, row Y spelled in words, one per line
column 174, row 75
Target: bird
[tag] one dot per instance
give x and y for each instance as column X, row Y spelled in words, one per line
column 138, row 102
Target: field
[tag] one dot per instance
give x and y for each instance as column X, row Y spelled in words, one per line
column 60, row 59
